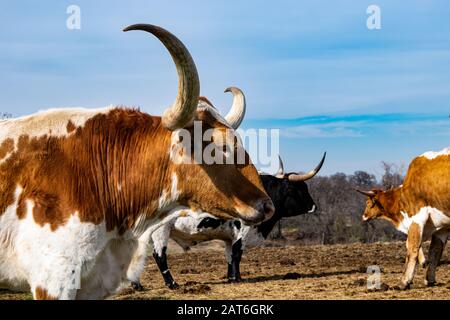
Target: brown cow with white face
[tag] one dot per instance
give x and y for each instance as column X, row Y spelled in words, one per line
column 78, row 187
column 420, row 208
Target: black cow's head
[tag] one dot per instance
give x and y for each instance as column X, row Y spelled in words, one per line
column 289, row 192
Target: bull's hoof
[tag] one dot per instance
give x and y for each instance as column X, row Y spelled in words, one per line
column 402, row 286
column 430, row 283
column 173, row 285
column 234, row 280
column 137, row 286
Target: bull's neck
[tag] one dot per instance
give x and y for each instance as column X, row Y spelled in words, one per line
column 394, row 204
column 267, row 226
column 128, row 169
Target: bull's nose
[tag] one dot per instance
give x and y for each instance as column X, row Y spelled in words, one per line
column 261, row 211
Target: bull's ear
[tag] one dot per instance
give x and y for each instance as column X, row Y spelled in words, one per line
column 370, row 194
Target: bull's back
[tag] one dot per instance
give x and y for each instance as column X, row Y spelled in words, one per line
column 428, row 179
column 26, row 146
column 53, row 122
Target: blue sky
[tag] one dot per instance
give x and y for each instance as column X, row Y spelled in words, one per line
column 310, row 68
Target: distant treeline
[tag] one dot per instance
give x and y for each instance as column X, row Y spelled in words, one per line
column 340, row 210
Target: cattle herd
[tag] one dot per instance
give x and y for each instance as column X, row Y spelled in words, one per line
column 87, row 194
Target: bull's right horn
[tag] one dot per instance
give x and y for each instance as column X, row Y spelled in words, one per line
column 237, row 112
column 366, row 193
column 181, row 113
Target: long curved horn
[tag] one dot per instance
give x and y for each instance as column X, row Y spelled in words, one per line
column 237, row 112
column 182, row 111
column 366, row 193
column 309, row 175
column 280, row 173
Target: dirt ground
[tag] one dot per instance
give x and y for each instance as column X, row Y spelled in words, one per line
column 287, row 272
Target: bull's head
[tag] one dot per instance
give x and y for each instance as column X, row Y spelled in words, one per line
column 375, row 204
column 232, row 190
column 289, row 192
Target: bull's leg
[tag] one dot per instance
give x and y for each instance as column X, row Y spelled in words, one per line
column 236, row 255
column 52, row 261
column 136, row 285
column 160, row 239
column 229, row 258
column 422, row 259
column 108, row 270
column 438, row 241
column 413, row 245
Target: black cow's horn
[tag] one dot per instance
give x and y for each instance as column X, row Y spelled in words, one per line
column 309, row 175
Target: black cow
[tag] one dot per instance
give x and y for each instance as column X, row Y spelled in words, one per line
column 289, row 194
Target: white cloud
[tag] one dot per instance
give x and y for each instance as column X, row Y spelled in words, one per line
column 329, row 130
column 397, row 126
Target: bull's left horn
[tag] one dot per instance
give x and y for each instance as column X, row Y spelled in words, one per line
column 366, row 193
column 182, row 112
column 309, row 175
column 237, row 112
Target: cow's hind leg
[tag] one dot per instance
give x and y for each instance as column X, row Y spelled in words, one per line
column 160, row 238
column 438, row 241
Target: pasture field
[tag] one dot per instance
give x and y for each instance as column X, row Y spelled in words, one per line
column 287, row 272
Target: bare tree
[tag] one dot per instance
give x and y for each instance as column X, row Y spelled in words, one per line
column 340, row 209
column 393, row 175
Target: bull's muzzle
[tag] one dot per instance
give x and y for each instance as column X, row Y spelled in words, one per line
column 263, row 210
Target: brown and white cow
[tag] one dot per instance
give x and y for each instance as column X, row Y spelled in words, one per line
column 78, row 187
column 420, row 208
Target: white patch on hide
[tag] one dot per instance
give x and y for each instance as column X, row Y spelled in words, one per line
column 432, row 154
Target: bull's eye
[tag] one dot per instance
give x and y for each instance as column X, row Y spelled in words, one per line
column 377, row 204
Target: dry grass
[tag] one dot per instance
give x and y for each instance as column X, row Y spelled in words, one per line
column 292, row 272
